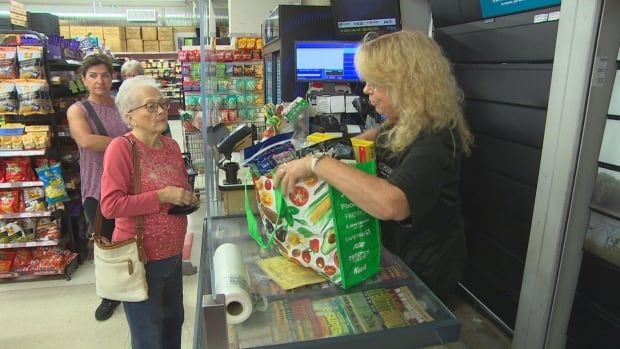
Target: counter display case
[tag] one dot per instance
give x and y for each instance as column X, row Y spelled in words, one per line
column 392, row 310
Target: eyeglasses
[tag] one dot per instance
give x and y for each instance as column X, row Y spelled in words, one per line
column 151, row 107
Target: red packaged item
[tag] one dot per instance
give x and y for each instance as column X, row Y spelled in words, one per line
column 6, row 260
column 18, row 170
column 43, row 162
column 2, row 180
column 10, row 201
column 22, row 260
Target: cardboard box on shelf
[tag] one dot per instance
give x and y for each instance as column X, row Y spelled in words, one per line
column 65, row 31
column 166, row 46
column 149, row 33
column 134, row 45
column 185, row 30
column 164, row 33
column 77, row 30
column 116, row 33
column 95, row 31
column 151, row 46
column 133, row 33
column 116, row 45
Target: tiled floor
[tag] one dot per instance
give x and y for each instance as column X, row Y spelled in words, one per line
column 42, row 314
column 58, row 313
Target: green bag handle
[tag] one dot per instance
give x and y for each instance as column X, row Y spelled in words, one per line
column 251, row 219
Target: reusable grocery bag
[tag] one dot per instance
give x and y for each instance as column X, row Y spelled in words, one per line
column 318, row 227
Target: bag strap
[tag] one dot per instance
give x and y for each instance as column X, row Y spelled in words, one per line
column 136, row 190
column 253, row 229
column 92, row 114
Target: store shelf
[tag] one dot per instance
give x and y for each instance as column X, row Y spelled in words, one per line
column 10, row 153
column 21, row 184
column 65, row 63
column 25, row 215
column 30, row 244
column 70, row 266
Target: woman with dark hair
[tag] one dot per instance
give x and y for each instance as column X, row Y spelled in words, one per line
column 94, row 122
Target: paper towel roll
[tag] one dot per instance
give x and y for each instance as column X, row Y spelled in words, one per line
column 230, row 277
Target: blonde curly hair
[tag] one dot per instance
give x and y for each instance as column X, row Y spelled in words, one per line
column 419, row 80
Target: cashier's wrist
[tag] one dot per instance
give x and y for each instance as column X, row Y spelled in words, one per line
column 314, row 159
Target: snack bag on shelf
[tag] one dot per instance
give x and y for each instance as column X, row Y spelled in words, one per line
column 22, row 260
column 55, row 191
column 9, row 103
column 33, row 97
column 18, row 169
column 6, row 259
column 48, row 229
column 30, row 62
column 28, row 226
column 315, row 225
column 15, row 232
column 34, row 200
column 8, row 66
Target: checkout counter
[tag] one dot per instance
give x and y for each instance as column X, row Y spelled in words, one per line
column 394, row 309
column 366, row 316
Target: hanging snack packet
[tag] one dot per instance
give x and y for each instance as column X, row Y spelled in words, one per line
column 51, row 177
column 7, row 63
column 30, row 62
column 8, row 98
column 32, row 97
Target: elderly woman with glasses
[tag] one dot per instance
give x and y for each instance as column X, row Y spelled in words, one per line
column 93, row 123
column 156, row 322
column 418, row 153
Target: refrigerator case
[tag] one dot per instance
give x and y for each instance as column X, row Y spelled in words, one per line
column 394, row 309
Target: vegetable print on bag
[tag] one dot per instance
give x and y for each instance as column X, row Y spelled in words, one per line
column 319, row 228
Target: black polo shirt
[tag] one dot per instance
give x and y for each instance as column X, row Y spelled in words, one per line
column 432, row 240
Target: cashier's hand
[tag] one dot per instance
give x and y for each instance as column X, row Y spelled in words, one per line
column 292, row 172
column 176, row 196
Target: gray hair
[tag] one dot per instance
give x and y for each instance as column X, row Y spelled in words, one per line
column 131, row 66
column 127, row 96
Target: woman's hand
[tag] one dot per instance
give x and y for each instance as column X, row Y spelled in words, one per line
column 176, row 196
column 292, row 172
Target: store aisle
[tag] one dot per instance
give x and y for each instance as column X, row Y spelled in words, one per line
column 57, row 313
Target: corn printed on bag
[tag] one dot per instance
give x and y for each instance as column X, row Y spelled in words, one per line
column 316, row 226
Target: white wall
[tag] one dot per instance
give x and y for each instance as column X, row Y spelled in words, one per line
column 246, row 17
column 415, row 14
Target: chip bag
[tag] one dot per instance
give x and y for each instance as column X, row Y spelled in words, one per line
column 51, row 177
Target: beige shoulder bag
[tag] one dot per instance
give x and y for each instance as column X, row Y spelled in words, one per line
column 120, row 266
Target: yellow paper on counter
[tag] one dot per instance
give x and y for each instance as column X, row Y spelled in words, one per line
column 287, row 274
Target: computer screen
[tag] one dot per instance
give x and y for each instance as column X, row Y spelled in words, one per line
column 356, row 17
column 327, row 61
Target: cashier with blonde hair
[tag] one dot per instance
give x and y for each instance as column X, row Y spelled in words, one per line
column 419, row 150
